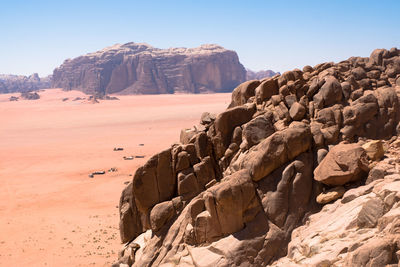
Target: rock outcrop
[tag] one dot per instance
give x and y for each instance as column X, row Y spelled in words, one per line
column 259, row 75
column 23, row 84
column 247, row 187
column 138, row 68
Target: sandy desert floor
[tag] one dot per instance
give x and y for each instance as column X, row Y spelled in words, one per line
column 51, row 212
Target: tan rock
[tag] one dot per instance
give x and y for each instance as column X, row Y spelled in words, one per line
column 374, row 149
column 331, row 195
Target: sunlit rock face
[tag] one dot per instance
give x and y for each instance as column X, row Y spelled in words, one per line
column 138, row 68
column 287, row 175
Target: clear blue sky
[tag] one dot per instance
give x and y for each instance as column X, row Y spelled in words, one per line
column 36, row 36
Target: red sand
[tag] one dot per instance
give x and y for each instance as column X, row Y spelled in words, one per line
column 52, row 213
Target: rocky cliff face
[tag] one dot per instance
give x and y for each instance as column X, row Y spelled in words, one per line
column 259, row 75
column 135, row 68
column 22, row 84
column 293, row 173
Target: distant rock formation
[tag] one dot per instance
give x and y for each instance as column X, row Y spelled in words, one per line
column 251, row 186
column 30, row 96
column 138, row 68
column 259, row 75
column 22, row 84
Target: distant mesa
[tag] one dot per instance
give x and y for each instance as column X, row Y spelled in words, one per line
column 20, row 83
column 138, row 68
column 259, row 75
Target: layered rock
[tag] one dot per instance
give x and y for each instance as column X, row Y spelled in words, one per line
column 136, row 68
column 241, row 182
column 360, row 229
column 23, row 84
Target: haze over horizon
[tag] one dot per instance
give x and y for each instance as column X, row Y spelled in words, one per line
column 279, row 35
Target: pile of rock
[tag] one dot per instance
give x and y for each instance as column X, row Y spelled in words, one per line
column 237, row 186
column 30, row 96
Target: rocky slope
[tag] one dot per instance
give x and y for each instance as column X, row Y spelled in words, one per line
column 136, row 68
column 20, row 83
column 259, row 75
column 293, row 173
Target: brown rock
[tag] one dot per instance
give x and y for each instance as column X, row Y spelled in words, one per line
column 374, row 253
column 370, row 212
column 331, row 195
column 226, row 122
column 376, row 56
column 330, row 93
column 257, row 129
column 243, row 92
column 204, row 171
column 359, row 73
column 344, row 163
column 129, row 225
column 183, row 161
column 273, row 152
column 188, row 186
column 297, row 111
column 160, row 214
column 266, row 89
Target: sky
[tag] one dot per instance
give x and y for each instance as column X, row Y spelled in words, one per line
column 37, row 36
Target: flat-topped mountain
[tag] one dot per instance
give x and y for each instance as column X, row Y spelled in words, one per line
column 20, row 83
column 138, row 68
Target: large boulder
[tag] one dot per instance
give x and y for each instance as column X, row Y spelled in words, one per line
column 243, row 92
column 258, row 129
column 330, row 93
column 274, row 151
column 266, row 89
column 344, row 163
column 226, row 122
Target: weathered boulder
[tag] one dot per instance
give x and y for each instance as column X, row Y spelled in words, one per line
column 344, row 163
column 297, row 111
column 153, row 183
column 243, row 92
column 257, row 129
column 226, row 122
column 160, row 214
column 274, row 151
column 330, row 195
column 329, row 94
column 266, row 89
column 374, row 149
column 377, row 252
column 129, row 225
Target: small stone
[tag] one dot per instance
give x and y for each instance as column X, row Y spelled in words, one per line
column 331, row 195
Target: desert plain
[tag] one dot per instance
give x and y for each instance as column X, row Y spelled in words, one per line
column 51, row 212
